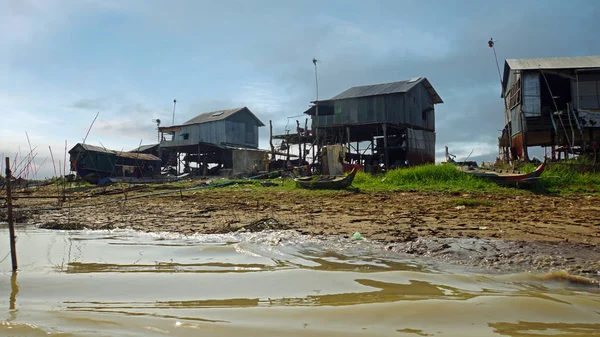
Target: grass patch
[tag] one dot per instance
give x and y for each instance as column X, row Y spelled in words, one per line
column 426, row 178
column 471, row 202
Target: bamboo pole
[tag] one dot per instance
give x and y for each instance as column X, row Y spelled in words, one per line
column 9, row 215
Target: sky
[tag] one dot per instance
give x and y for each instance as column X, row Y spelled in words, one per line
column 62, row 62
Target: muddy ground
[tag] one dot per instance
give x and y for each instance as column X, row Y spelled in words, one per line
column 525, row 232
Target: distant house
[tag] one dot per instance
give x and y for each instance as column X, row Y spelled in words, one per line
column 552, row 102
column 397, row 118
column 235, row 127
column 224, row 140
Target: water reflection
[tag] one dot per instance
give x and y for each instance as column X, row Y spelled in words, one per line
column 523, row 328
column 14, row 290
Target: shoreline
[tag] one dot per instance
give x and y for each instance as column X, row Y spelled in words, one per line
column 493, row 231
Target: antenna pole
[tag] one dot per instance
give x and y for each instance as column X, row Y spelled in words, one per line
column 174, row 103
column 491, row 44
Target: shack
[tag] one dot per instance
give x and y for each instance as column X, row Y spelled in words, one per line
column 93, row 163
column 550, row 102
column 397, row 120
column 211, row 140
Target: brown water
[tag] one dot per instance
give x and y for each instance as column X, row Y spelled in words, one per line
column 126, row 283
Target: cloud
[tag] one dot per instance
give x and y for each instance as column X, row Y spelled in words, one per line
column 90, row 104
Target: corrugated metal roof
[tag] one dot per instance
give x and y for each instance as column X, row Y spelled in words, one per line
column 388, row 88
column 137, row 156
column 219, row 115
column 554, row 63
column 94, row 148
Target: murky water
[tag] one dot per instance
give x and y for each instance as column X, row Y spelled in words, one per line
column 126, row 283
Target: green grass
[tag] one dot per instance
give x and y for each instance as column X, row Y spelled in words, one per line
column 563, row 178
column 426, row 178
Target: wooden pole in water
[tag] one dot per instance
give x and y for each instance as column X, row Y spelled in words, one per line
column 9, row 215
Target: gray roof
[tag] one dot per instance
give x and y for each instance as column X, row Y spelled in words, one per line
column 220, row 115
column 144, row 148
column 93, row 148
column 554, row 63
column 388, row 88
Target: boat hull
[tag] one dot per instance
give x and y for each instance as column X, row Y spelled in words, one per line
column 506, row 178
column 326, row 182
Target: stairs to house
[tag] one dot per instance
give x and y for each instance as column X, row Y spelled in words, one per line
column 566, row 127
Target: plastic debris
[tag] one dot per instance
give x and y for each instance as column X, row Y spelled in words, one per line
column 357, row 237
column 460, row 207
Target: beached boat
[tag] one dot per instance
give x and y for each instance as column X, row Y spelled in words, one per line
column 504, row 177
column 326, row 182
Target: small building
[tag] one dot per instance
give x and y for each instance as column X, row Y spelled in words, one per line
column 234, row 127
column 93, row 163
column 550, row 102
column 397, row 119
column 211, row 140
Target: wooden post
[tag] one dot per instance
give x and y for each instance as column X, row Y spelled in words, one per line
column 271, row 140
column 9, row 215
column 348, row 137
column 305, row 133
column 385, row 146
column 299, row 143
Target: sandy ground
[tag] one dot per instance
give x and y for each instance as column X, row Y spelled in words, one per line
column 503, row 232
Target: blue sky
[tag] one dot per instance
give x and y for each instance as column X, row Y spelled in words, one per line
column 63, row 61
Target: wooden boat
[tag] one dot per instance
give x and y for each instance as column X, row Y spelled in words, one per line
column 505, row 177
column 326, row 182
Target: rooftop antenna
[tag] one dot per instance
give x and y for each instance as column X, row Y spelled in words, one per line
column 491, row 44
column 174, row 103
column 157, row 121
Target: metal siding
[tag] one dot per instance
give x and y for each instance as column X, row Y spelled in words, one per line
column 404, row 108
column 531, row 95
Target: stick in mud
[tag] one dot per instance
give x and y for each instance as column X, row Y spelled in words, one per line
column 9, row 215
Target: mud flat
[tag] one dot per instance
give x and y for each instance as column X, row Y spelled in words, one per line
column 502, row 232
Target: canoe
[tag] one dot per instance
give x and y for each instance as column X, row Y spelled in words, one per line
column 326, row 182
column 505, row 177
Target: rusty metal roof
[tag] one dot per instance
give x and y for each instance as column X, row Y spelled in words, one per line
column 388, row 88
column 554, row 63
column 220, row 115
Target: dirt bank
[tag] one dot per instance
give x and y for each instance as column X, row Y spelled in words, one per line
column 526, row 232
